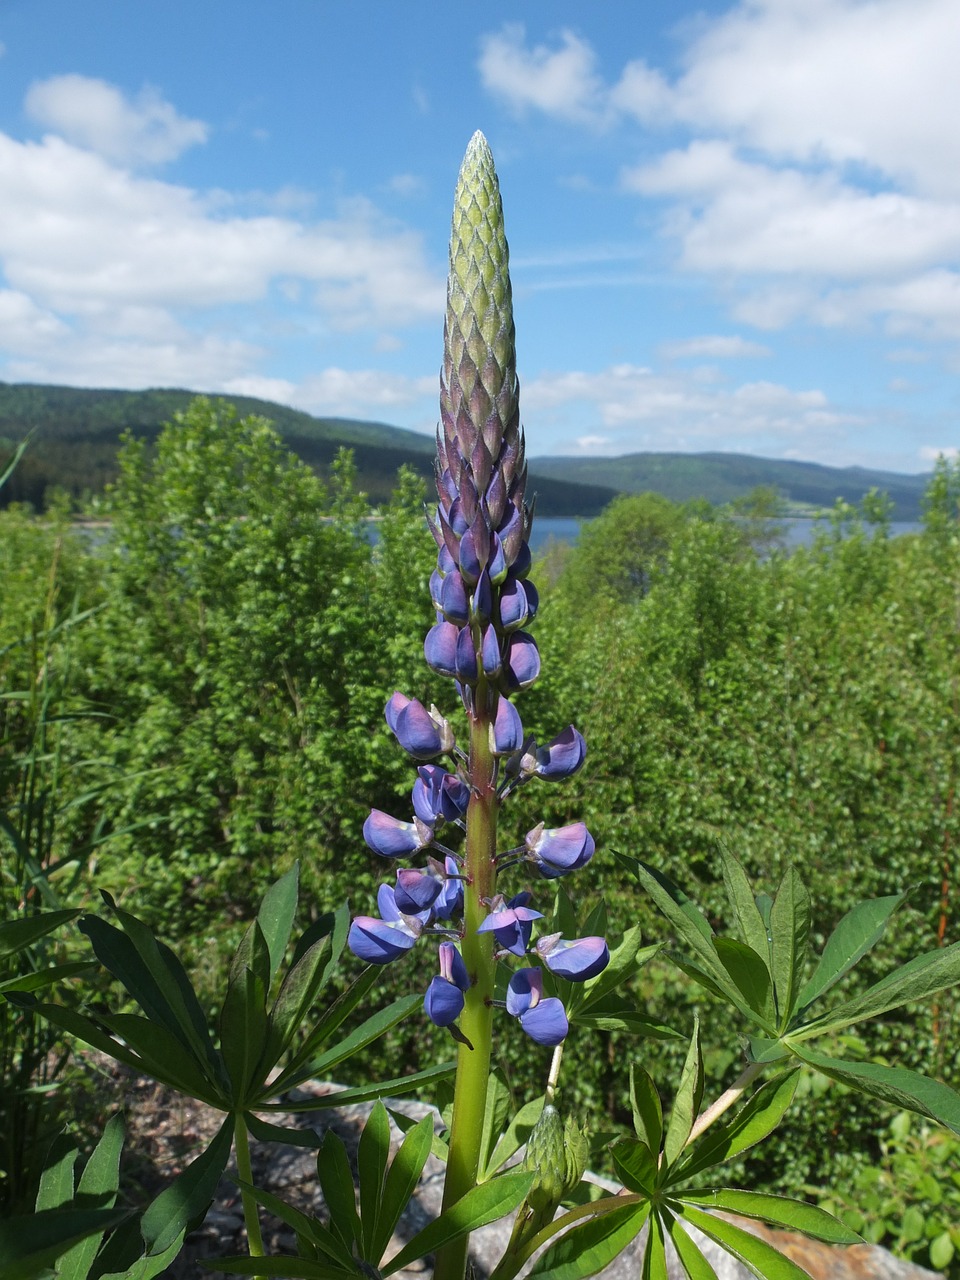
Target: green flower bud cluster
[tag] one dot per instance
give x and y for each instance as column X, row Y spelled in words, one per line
column 557, row 1153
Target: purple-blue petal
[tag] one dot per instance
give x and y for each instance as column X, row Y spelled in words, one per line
column 490, row 652
column 379, row 941
column 522, row 660
column 416, row 731
column 524, row 991
column 559, row 850
column 416, row 890
column 561, row 757
column 576, row 960
column 390, row 837
column 440, row 648
column 466, row 671
column 454, row 602
column 443, row 1002
column 506, row 732
column 546, row 1022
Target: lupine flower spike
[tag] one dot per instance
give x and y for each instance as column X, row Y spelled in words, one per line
column 483, row 601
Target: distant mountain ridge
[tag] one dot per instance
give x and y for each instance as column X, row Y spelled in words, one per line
column 76, row 432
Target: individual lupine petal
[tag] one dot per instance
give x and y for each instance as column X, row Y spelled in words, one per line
column 511, row 535
column 506, row 731
column 577, row 959
column 470, row 565
column 496, row 497
column 521, row 563
column 454, row 602
column 416, row 890
column 445, row 561
column 449, row 904
column 436, row 588
column 557, row 850
column 544, row 1020
column 522, row 660
column 490, row 652
column 483, row 598
column 514, row 610
column 561, row 757
column 511, row 923
column 380, row 941
column 440, row 648
column 392, row 838
column 387, row 906
column 458, row 521
column 467, row 670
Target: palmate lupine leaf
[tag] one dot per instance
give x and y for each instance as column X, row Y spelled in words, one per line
column 647, row 1108
column 373, row 1153
column 755, row 1120
column 592, row 1246
column 686, row 1104
column 789, row 933
column 780, row 1211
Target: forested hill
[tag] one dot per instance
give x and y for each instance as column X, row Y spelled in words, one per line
column 75, row 433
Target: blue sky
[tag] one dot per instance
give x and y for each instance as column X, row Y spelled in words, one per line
column 732, row 227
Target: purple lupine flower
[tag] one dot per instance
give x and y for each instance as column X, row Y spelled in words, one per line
column 578, row 959
column 439, row 796
column 558, row 850
column 416, row 890
column 421, row 732
column 393, row 838
column 543, row 1019
column 522, row 661
column 559, row 758
column 443, row 1001
column 380, row 941
column 511, row 923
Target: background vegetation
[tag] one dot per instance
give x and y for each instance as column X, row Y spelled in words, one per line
column 196, row 700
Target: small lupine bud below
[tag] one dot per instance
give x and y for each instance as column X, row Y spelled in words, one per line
column 511, row 923
column 506, row 731
column 557, row 1153
column 558, row 850
column 416, row 890
column 392, row 838
column 543, row 1019
column 522, row 660
column 380, row 941
column 577, row 960
column 561, row 757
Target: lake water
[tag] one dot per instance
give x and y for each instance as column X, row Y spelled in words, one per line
column 796, row 533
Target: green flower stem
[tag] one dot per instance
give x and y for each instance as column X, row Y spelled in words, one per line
column 473, row 1062
column 251, row 1216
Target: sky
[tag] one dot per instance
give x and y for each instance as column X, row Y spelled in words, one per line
column 732, row 227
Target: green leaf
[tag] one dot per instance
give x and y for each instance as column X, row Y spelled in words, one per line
column 276, row 914
column 98, row 1187
column 336, row 1183
column 654, row 1254
column 359, row 1038
column 612, row 1012
column 162, row 1056
column 46, row 977
column 750, row 975
column 485, row 1203
column 401, row 1182
column 56, row 1181
column 85, row 1029
column 762, row 1258
column 517, row 1133
column 373, row 1152
column 686, row 1104
column 31, row 1244
column 310, row 1228
column 299, row 1067
column 157, row 981
column 17, row 935
column 646, row 1107
column 757, row 1118
column 285, row 1268
column 750, row 922
column 149, row 1266
column 918, row 979
column 682, row 912
column 895, row 1085
column 297, row 993
column 795, row 1215
column 859, row 930
column 691, row 1259
column 405, row 1123
column 626, row 959
column 189, row 1196
column 587, row 1249
column 394, row 1088
column 252, row 953
column 263, row 1131
column 243, row 1031
column 636, row 1164
column 789, row 932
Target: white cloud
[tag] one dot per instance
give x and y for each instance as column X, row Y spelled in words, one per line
column 560, row 81
column 930, row 453
column 96, row 115
column 714, row 347
column 360, row 392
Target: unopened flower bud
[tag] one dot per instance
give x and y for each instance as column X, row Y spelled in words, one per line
column 557, row 1154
